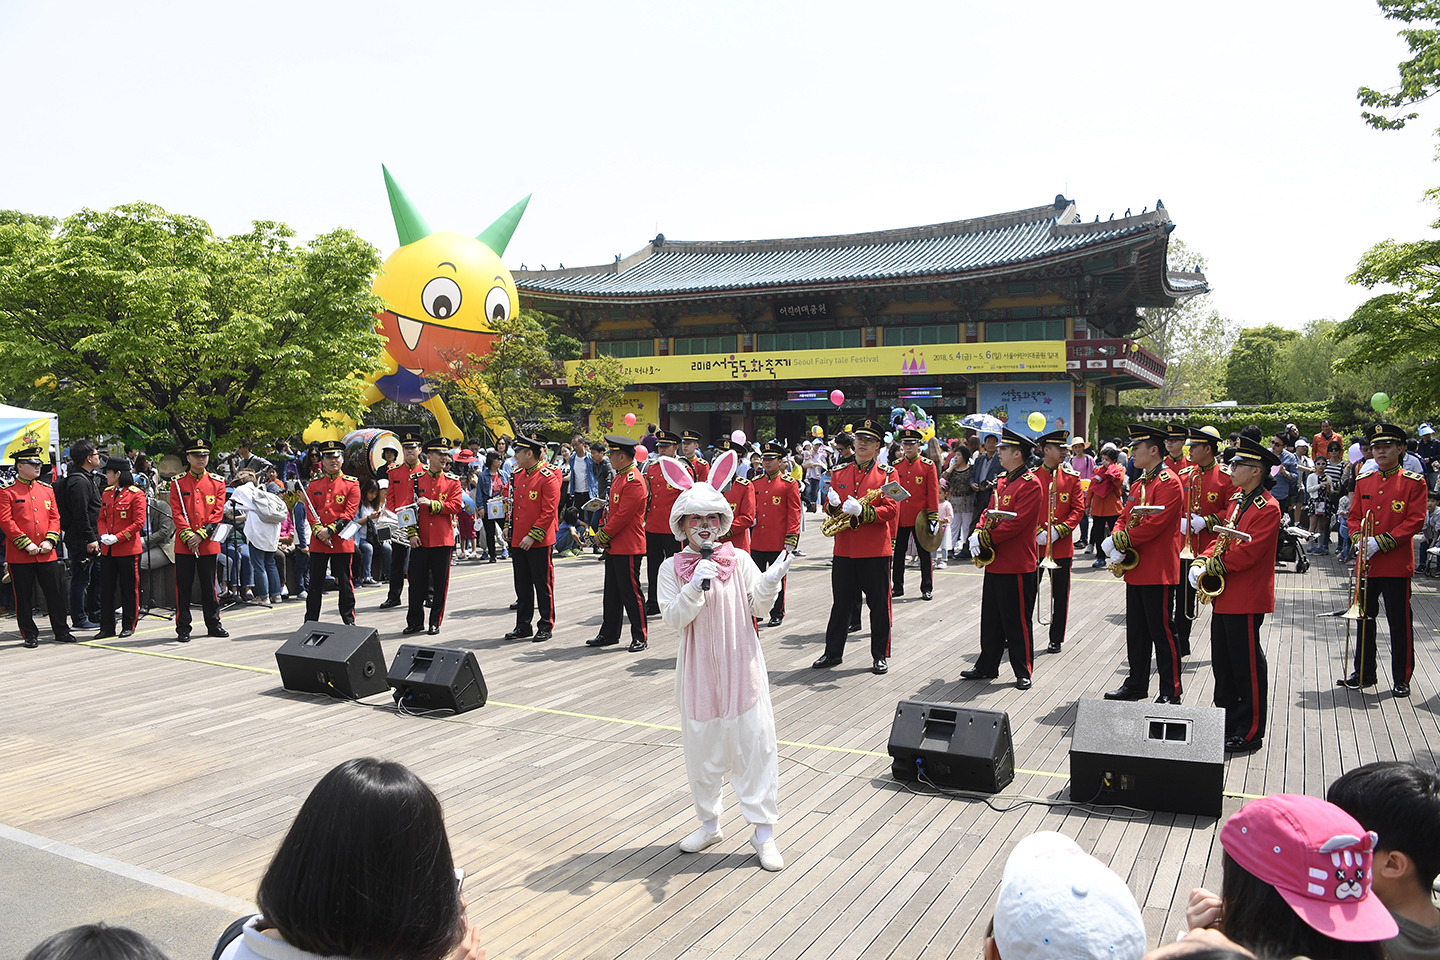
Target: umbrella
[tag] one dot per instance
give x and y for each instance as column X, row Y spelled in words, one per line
column 982, row 423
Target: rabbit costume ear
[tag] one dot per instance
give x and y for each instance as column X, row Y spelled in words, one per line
column 675, row 473
column 722, row 471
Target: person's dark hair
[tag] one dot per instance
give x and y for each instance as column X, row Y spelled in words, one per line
column 368, row 491
column 1412, row 444
column 365, row 870
column 1401, row 803
column 845, row 439
column 142, row 463
column 1259, row 919
column 1334, row 446
column 127, row 477
column 962, row 454
column 80, row 451
column 492, row 457
column 572, row 516
column 1112, row 455
column 1155, row 442
column 95, row 941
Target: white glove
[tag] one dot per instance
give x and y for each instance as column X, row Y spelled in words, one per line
column 777, row 570
column 109, row 539
column 975, row 542
column 1043, row 537
column 1108, row 545
column 1114, row 556
column 852, row 507
column 1197, row 523
column 834, row 498
column 1372, row 547
column 1195, row 577
column 704, row 570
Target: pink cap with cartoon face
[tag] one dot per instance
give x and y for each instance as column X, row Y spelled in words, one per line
column 1318, row 857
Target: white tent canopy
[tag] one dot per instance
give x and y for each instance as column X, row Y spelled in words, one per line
column 18, row 424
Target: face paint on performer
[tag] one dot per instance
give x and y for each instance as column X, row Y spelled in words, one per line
column 702, row 529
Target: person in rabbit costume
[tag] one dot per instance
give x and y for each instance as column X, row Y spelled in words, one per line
column 712, row 593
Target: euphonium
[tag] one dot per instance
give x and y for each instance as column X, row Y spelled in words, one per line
column 1211, row 585
column 840, row 521
column 986, row 554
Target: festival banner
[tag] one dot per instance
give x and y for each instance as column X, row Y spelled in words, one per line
column 1013, row 402
column 645, row 404
column 1033, row 356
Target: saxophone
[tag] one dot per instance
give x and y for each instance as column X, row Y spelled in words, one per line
column 1130, row 557
column 986, row 554
column 841, row 521
column 1210, row 586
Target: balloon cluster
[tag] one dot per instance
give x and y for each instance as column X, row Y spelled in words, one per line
column 913, row 418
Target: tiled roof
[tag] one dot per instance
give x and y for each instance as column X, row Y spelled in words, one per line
column 966, row 248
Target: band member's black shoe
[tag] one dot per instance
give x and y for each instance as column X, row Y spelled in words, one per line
column 881, row 667
column 1167, row 698
column 827, row 661
column 433, row 631
column 217, row 632
column 927, row 595
column 515, row 605
column 541, row 636
column 32, row 642
column 1024, row 683
column 638, row 646
column 519, row 633
column 896, row 594
column 412, row 628
column 853, row 628
column 601, row 642
column 773, row 621
column 104, row 636
column 127, row 632
column 1056, row 646
column 977, row 675
column 182, row 637
column 1125, row 693
column 1354, row 682
column 1238, row 744
column 389, row 602
column 1401, row 690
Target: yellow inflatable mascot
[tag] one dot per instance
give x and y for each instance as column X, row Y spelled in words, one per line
column 442, row 289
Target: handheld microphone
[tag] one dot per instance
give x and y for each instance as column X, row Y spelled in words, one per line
column 705, row 551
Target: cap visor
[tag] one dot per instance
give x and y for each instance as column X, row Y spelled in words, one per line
column 1356, row 921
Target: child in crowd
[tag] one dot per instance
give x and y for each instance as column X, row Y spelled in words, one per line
column 1342, row 529
column 1400, row 802
column 566, row 545
column 1424, row 559
column 947, row 517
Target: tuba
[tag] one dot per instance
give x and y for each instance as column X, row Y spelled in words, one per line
column 1211, row 586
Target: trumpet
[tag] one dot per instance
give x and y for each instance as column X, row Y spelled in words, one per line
column 1211, row 586
column 1130, row 557
column 1187, row 552
column 986, row 554
column 841, row 521
column 1047, row 562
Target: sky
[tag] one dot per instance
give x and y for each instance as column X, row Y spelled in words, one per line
column 732, row 121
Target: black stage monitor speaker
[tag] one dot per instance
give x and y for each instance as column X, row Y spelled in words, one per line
column 432, row 678
column 339, row 659
column 1155, row 756
column 958, row 747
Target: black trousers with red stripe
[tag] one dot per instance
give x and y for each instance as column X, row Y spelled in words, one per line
column 763, row 559
column 339, row 564
column 187, row 568
column 849, row 576
column 622, row 596
column 1007, row 604
column 534, row 586
column 1182, row 598
column 1242, row 678
column 429, row 570
column 1396, row 591
column 1059, row 596
column 658, row 547
column 24, row 577
column 122, row 573
column 927, row 572
column 1147, row 631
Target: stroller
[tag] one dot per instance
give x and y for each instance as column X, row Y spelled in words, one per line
column 1290, row 547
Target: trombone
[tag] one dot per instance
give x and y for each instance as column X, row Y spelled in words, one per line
column 1043, row 615
column 1356, row 610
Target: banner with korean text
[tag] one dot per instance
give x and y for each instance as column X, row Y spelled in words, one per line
column 1012, row 402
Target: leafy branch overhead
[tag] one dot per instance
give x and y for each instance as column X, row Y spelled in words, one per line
column 1419, row 75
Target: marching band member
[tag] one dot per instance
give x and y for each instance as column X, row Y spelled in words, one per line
column 197, row 502
column 432, row 538
column 777, row 518
column 863, row 548
column 1207, row 487
column 740, row 495
column 1148, row 585
column 624, row 538
column 660, row 542
column 922, row 480
column 400, row 492
column 690, row 454
column 30, row 519
column 1395, row 500
column 1248, row 571
column 1069, row 509
column 536, row 516
column 335, row 497
column 120, row 527
column 1175, row 436
column 1007, row 598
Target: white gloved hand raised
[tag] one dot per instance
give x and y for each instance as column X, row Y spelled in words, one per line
column 1197, row 523
column 704, row 570
column 1372, row 548
column 1195, row 577
column 852, row 507
column 834, row 498
column 777, row 570
column 975, row 542
column 1108, row 545
column 109, row 539
column 1043, row 537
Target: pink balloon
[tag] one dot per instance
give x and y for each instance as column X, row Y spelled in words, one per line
column 738, row 436
column 837, row 397
column 629, row 419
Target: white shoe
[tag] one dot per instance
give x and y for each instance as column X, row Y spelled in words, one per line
column 701, row 839
column 770, row 858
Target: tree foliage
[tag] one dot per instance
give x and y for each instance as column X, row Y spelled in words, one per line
column 504, row 381
column 599, row 382
column 1419, row 75
column 1191, row 338
column 137, row 317
column 1254, row 372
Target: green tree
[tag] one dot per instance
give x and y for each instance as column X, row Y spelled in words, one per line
column 1255, row 370
column 137, row 315
column 1419, row 75
column 504, row 382
column 1191, row 338
column 597, row 383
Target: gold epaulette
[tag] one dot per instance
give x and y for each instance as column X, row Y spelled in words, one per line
column 1066, row 468
column 743, row 480
column 925, row 459
column 214, row 476
column 1413, row 475
column 350, row 478
column 1224, row 469
column 1368, row 473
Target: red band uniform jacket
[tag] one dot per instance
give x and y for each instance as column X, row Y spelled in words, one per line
column 196, row 502
column 1069, row 508
column 921, row 480
column 400, row 491
column 777, row 513
column 435, row 525
column 741, row 497
column 1156, row 536
column 871, row 534
column 624, row 530
column 536, row 507
column 1248, row 568
column 336, row 499
column 122, row 514
column 1396, row 499
column 699, row 469
column 1216, row 492
column 29, row 514
column 662, row 498
column 1013, row 540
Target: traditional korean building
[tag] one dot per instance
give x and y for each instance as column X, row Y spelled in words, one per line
column 1009, row 314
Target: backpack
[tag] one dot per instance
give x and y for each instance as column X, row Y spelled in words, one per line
column 62, row 502
column 268, row 507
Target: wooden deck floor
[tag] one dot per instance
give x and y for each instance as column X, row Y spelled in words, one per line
column 566, row 795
